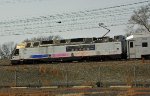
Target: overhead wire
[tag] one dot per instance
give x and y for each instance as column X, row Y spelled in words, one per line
column 111, row 16
column 4, row 2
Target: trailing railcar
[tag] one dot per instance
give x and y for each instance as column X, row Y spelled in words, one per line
column 69, row 50
column 138, row 46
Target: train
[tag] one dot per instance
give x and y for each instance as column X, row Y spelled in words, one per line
column 135, row 46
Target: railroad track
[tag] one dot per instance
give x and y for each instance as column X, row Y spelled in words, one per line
column 7, row 62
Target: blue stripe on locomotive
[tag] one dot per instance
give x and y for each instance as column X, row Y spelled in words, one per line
column 40, row 56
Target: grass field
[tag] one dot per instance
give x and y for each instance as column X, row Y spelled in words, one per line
column 79, row 73
column 135, row 72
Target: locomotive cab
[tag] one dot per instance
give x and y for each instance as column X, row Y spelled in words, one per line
column 16, row 54
column 15, row 58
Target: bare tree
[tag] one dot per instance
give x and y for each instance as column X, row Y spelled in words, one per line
column 6, row 50
column 44, row 38
column 140, row 20
column 1, row 53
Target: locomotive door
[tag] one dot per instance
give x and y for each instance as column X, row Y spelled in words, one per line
column 131, row 49
column 138, row 49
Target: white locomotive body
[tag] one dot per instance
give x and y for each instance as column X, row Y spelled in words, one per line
column 135, row 46
column 68, row 50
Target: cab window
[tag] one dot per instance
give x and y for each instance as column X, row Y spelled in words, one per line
column 131, row 44
column 28, row 45
column 16, row 52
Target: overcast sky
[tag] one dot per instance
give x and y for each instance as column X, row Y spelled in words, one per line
column 28, row 8
column 12, row 9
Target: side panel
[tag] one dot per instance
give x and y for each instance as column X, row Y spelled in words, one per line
column 59, row 52
column 84, row 53
column 81, row 50
column 65, row 51
column 108, row 48
column 33, row 53
column 59, row 49
column 146, row 50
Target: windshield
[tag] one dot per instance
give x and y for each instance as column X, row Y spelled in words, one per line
column 16, row 52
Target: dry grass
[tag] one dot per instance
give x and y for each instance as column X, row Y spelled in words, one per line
column 83, row 73
column 4, row 62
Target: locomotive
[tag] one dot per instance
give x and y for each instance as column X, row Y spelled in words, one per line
column 83, row 49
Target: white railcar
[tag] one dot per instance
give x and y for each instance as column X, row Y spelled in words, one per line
column 138, row 46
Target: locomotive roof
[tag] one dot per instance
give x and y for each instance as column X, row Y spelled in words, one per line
column 139, row 35
column 64, row 42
